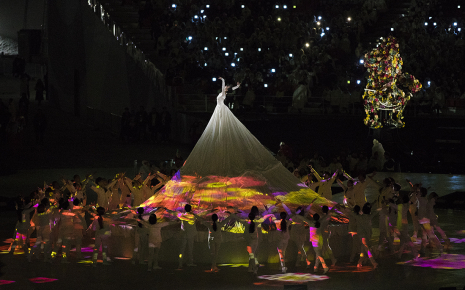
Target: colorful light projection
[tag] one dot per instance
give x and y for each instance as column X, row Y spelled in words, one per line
column 230, row 193
column 86, row 262
column 457, row 241
column 6, row 282
column 445, row 261
column 19, row 250
column 348, row 268
column 40, row 280
column 294, row 277
column 384, row 100
column 217, row 192
column 237, row 265
column 89, row 249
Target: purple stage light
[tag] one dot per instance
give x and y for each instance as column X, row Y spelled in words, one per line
column 40, row 280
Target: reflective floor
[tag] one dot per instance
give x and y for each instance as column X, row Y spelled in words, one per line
column 429, row 272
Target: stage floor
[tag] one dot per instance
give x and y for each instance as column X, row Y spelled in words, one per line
column 429, row 273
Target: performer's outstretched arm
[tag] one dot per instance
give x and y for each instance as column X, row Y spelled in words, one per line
column 347, row 175
column 341, row 185
column 223, row 85
column 236, row 87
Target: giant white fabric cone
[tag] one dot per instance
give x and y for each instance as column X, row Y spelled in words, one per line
column 227, row 149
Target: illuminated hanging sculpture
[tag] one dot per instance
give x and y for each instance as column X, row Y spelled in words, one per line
column 229, row 167
column 384, row 97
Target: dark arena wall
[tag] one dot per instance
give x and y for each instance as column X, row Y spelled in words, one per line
column 89, row 71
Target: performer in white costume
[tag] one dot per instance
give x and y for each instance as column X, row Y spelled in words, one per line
column 154, row 240
column 236, row 152
column 300, row 235
column 189, row 232
column 215, row 237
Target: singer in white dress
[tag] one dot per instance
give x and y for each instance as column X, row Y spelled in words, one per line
column 228, row 149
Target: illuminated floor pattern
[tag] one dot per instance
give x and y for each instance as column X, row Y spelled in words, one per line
column 457, row 241
column 234, row 265
column 445, row 261
column 40, row 280
column 294, row 277
column 350, row 268
column 6, row 282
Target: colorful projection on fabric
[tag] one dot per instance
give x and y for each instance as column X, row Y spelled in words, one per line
column 226, row 192
column 230, row 194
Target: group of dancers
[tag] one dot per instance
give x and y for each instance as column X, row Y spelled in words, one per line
column 59, row 222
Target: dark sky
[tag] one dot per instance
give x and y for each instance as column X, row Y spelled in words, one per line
column 12, row 16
